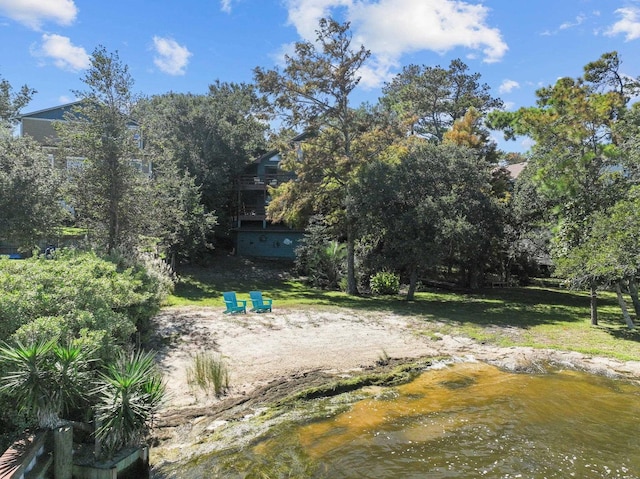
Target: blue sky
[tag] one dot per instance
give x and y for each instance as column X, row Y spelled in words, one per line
column 183, row 46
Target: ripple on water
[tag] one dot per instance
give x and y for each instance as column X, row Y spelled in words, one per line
column 469, row 420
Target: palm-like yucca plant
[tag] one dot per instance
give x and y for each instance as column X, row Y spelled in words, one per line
column 130, row 390
column 44, row 378
column 73, row 374
column 334, row 256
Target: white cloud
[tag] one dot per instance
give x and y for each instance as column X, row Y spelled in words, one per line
column 64, row 99
column 305, row 14
column 33, row 13
column 392, row 28
column 577, row 22
column 64, row 54
column 629, row 24
column 225, row 5
column 507, row 86
column 171, row 58
column 527, row 143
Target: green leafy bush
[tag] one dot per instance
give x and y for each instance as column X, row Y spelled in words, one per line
column 103, row 301
column 384, row 282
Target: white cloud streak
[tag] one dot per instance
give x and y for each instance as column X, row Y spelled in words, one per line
column 171, row 57
column 628, row 25
column 507, row 86
column 225, row 6
column 392, row 28
column 64, row 54
column 33, row 13
column 576, row 23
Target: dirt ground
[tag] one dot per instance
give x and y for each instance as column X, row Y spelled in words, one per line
column 271, row 355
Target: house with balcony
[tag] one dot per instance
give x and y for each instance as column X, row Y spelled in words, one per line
column 39, row 126
column 254, row 235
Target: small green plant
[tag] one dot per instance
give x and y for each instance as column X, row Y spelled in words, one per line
column 384, row 282
column 383, row 358
column 209, row 373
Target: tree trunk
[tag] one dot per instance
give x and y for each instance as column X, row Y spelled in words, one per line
column 623, row 307
column 633, row 292
column 474, row 277
column 594, row 305
column 97, row 445
column 413, row 282
column 352, row 287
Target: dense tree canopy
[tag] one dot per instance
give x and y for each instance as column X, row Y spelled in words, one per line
column 578, row 160
column 30, row 193
column 211, row 137
column 124, row 194
column 412, row 183
column 107, row 191
column 30, row 190
column 431, row 99
column 417, row 211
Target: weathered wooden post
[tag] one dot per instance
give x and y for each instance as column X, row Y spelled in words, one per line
column 63, row 452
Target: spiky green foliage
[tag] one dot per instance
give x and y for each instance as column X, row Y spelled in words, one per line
column 385, row 282
column 45, row 379
column 321, row 260
column 130, row 390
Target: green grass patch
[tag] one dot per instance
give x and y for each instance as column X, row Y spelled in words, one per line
column 536, row 316
column 70, row 232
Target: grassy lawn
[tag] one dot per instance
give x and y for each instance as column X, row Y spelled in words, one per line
column 534, row 316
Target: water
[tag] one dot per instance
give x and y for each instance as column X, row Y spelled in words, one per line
column 469, row 420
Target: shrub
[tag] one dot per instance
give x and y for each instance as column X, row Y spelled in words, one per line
column 385, row 282
column 79, row 295
column 321, row 260
column 46, row 379
column 96, row 304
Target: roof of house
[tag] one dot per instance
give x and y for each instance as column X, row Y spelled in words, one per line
column 515, row 169
column 53, row 113
column 273, row 153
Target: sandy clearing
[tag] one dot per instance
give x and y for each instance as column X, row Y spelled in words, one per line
column 262, row 348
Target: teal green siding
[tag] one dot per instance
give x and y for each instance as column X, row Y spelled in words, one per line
column 267, row 244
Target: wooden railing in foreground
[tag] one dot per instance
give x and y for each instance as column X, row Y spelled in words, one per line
column 30, row 457
column 49, row 454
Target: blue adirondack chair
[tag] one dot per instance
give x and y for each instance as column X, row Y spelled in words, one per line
column 260, row 305
column 234, row 305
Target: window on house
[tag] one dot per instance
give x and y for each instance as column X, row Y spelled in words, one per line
column 74, row 162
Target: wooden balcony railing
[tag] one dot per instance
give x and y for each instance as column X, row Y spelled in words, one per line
column 256, row 210
column 261, row 181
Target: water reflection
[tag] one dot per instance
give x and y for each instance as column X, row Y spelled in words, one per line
column 467, row 420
